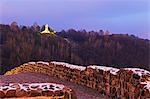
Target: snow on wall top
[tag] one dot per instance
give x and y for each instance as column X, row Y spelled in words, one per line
column 31, row 63
column 32, row 86
column 112, row 70
column 69, row 65
column 41, row 62
column 147, row 85
column 138, row 71
column 104, row 68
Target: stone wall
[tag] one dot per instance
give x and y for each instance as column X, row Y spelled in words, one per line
column 124, row 83
column 49, row 90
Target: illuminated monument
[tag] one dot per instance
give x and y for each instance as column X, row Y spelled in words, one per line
column 47, row 31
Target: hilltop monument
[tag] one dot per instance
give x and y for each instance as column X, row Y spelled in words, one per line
column 47, row 31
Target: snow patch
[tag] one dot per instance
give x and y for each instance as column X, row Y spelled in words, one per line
column 31, row 63
column 138, row 71
column 69, row 65
column 104, row 68
column 147, row 85
column 41, row 62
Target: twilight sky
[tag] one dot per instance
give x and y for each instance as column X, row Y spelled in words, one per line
column 117, row 16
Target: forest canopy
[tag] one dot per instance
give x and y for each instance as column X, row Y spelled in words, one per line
column 20, row 44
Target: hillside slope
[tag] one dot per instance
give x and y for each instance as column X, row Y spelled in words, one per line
column 20, row 44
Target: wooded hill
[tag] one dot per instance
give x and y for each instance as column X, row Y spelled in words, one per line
column 20, row 44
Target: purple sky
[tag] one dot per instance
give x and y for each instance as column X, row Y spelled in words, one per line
column 117, row 16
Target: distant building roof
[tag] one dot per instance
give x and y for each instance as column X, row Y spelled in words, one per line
column 47, row 31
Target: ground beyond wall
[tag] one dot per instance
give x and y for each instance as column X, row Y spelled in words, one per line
column 128, row 83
